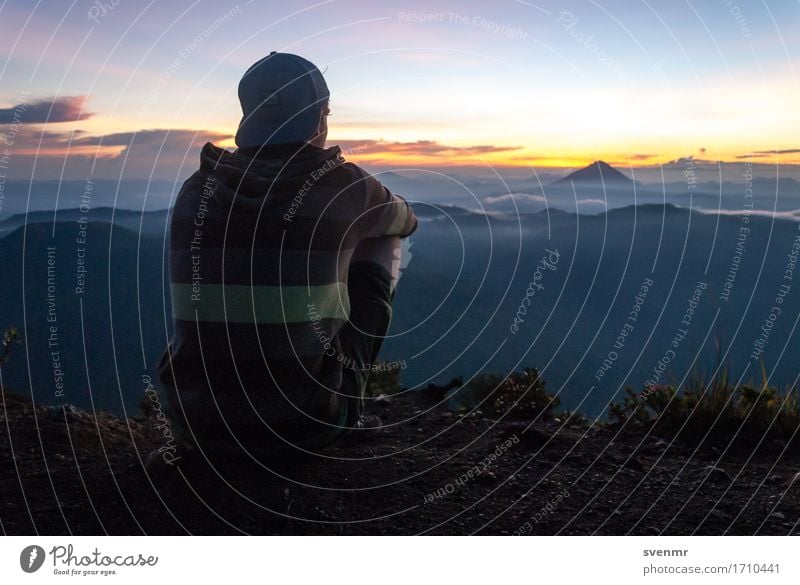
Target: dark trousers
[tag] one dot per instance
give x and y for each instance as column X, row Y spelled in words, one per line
column 362, row 337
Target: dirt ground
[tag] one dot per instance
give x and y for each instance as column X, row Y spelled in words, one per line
column 429, row 471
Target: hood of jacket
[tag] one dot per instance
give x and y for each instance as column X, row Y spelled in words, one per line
column 252, row 174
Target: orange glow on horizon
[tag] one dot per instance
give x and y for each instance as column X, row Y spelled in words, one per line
column 92, row 151
column 431, row 153
column 520, row 159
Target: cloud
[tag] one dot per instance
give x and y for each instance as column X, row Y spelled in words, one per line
column 424, row 148
column 169, row 151
column 793, row 215
column 154, row 138
column 73, row 144
column 765, row 153
column 510, row 196
column 166, row 152
column 49, row 110
column 687, row 161
column 163, row 153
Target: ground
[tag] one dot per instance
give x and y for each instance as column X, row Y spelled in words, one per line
column 66, row 471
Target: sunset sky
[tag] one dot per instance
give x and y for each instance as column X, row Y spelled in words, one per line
column 135, row 88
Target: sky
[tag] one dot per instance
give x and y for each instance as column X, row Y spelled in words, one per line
column 123, row 89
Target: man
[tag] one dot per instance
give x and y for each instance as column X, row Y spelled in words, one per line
column 283, row 264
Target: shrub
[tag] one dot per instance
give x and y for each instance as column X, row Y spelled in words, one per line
column 520, row 395
column 10, row 339
column 383, row 380
column 715, row 412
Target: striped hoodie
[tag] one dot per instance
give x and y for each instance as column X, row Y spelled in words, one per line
column 260, row 246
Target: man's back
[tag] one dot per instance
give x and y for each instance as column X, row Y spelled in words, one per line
column 260, row 251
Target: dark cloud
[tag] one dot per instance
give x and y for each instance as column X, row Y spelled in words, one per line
column 420, row 147
column 764, row 153
column 154, row 138
column 50, row 110
column 484, row 148
column 161, row 153
column 75, row 144
column 686, row 161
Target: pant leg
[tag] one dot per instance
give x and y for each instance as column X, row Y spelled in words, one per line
column 371, row 295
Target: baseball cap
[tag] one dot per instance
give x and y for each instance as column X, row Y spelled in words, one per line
column 282, row 98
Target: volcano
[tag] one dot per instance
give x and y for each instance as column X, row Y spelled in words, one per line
column 596, row 173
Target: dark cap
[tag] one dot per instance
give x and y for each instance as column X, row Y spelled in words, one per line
column 282, row 98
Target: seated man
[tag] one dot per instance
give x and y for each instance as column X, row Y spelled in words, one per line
column 283, row 259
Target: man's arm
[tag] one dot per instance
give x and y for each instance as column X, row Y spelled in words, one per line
column 385, row 214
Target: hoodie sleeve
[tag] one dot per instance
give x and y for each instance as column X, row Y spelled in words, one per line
column 385, row 214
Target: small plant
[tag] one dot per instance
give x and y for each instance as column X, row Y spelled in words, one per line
column 712, row 411
column 10, row 340
column 520, row 395
column 383, row 379
column 572, row 417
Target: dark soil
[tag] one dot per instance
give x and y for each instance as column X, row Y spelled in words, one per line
column 65, row 471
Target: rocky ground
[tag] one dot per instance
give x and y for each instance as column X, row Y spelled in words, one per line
column 66, row 471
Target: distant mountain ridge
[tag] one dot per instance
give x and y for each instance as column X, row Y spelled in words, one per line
column 465, row 282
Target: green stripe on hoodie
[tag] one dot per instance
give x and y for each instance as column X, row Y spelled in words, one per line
column 234, row 303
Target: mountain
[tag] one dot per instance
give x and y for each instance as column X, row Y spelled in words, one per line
column 598, row 173
column 93, row 317
column 455, row 304
column 147, row 223
column 138, row 194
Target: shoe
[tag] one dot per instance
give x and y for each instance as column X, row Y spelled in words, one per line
column 367, row 427
column 369, row 421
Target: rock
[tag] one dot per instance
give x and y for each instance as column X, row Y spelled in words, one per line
column 55, row 412
column 776, row 445
column 487, row 477
column 635, row 464
column 529, row 435
column 716, row 474
column 536, row 436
